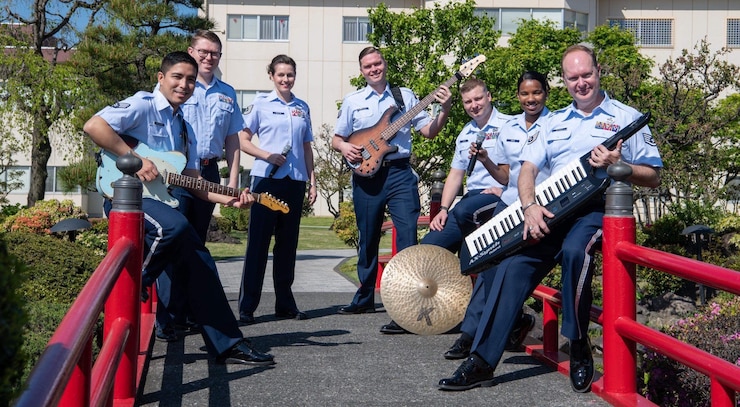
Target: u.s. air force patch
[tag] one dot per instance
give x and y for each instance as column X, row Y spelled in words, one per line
column 532, row 137
column 248, row 110
column 649, row 140
column 120, row 105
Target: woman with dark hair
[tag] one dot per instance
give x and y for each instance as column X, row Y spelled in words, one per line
column 282, row 167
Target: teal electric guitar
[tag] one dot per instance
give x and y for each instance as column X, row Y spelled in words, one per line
column 170, row 165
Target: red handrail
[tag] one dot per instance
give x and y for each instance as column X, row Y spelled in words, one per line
column 64, row 374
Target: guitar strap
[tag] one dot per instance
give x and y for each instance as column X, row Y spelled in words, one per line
column 396, row 91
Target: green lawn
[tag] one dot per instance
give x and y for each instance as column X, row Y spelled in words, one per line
column 314, row 234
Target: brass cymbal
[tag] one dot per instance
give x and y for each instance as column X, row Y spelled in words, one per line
column 423, row 290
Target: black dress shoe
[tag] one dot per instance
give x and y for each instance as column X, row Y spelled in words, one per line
column 247, row 319
column 355, row 309
column 519, row 332
column 581, row 365
column 392, row 329
column 243, row 354
column 473, row 372
column 291, row 315
column 460, row 349
column 166, row 333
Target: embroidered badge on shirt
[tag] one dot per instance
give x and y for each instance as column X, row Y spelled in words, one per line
column 225, row 99
column 248, row 110
column 120, row 105
column 649, row 140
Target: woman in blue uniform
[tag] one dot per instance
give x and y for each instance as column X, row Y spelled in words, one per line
column 283, row 165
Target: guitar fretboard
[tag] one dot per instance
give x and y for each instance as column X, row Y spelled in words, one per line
column 201, row 185
column 394, row 127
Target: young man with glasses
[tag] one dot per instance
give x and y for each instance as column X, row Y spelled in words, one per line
column 216, row 119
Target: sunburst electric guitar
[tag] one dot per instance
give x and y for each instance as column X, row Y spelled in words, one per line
column 170, row 165
column 375, row 140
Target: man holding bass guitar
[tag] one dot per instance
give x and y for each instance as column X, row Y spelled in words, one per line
column 394, row 183
column 155, row 119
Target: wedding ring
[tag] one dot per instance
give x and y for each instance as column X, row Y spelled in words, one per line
column 531, row 227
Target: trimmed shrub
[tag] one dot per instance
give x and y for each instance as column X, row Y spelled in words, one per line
column 42, row 216
column 56, row 269
column 12, row 319
column 716, row 330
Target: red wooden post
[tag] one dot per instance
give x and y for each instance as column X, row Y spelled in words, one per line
column 620, row 358
column 126, row 222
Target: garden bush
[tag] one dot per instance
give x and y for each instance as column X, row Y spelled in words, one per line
column 13, row 317
column 239, row 218
column 56, row 269
column 345, row 225
column 716, row 330
column 42, row 216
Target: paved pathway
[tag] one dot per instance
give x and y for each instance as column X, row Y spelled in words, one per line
column 336, row 360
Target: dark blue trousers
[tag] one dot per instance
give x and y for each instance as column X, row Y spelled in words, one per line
column 171, row 307
column 511, row 282
column 473, row 209
column 263, row 223
column 170, row 240
column 395, row 186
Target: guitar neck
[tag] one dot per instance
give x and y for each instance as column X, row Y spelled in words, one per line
column 394, row 127
column 200, row 184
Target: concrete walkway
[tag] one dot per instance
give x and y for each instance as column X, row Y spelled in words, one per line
column 336, row 360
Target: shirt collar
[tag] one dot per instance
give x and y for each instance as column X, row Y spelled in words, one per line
column 161, row 102
column 368, row 91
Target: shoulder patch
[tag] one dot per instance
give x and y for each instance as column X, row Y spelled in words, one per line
column 649, row 140
column 120, row 105
column 248, row 110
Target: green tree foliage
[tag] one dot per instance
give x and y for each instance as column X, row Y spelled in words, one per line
column 123, row 56
column 40, row 90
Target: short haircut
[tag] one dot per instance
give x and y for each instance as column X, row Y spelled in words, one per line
column 177, row 57
column 368, row 51
column 206, row 35
column 534, row 76
column 471, row 84
column 580, row 47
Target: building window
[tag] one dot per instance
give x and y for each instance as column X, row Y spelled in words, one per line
column 261, row 28
column 356, row 29
column 733, row 32
column 649, row 32
column 507, row 20
column 246, row 97
column 18, row 177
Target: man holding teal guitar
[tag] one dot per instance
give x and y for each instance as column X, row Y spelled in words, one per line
column 155, row 119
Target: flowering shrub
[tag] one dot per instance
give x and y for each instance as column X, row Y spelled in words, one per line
column 716, row 330
column 42, row 216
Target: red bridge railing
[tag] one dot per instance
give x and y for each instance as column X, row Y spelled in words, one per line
column 618, row 384
column 66, row 374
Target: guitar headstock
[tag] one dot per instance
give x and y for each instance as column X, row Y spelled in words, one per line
column 467, row 68
column 273, row 203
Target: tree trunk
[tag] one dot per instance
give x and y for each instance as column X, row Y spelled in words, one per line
column 40, row 154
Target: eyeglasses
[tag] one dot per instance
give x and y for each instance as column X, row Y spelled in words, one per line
column 203, row 53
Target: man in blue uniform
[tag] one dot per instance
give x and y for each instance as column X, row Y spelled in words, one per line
column 155, row 119
column 395, row 184
column 572, row 132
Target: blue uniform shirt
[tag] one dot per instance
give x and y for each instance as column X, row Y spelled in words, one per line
column 480, row 178
column 513, row 139
column 364, row 108
column 278, row 124
column 570, row 135
column 149, row 118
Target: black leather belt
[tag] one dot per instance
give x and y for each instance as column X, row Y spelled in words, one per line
column 204, row 162
column 400, row 162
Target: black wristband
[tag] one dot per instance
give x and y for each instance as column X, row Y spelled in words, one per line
column 444, row 208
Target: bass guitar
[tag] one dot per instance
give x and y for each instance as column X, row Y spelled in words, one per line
column 170, row 165
column 375, row 140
